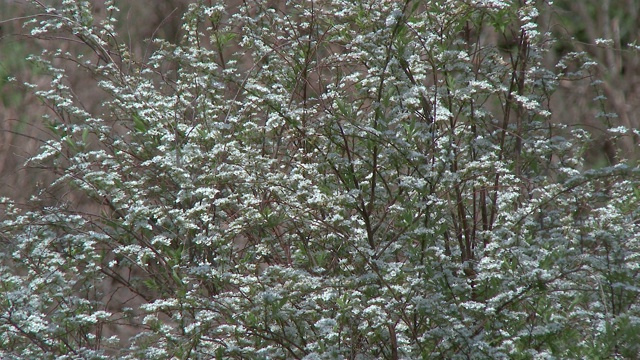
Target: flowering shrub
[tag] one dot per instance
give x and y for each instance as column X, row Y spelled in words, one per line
column 321, row 180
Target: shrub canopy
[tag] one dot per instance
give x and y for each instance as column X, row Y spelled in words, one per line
column 319, row 180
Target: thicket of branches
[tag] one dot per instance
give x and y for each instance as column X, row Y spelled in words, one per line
column 320, row 180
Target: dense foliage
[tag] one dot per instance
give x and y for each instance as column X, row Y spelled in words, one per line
column 320, row 180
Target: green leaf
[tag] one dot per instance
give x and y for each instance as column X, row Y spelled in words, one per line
column 138, row 124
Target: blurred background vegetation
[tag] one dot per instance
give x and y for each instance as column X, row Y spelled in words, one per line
column 578, row 26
